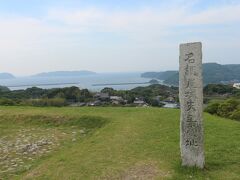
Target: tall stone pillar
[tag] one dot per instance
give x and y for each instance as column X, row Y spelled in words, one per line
column 191, row 100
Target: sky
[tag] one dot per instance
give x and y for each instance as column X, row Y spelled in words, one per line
column 114, row 36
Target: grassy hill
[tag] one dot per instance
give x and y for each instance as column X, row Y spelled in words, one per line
column 109, row 143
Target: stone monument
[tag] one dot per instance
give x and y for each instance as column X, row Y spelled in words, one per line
column 191, row 100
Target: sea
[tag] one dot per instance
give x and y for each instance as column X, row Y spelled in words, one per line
column 95, row 82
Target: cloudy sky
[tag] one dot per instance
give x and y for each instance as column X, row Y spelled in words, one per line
column 114, row 36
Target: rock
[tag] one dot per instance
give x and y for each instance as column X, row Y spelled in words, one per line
column 82, row 131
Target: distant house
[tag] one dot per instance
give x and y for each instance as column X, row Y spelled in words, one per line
column 158, row 98
column 236, row 85
column 79, row 104
column 95, row 103
column 166, row 104
column 114, row 102
column 170, row 99
column 116, row 98
column 171, row 105
column 140, row 103
column 102, row 96
column 139, row 99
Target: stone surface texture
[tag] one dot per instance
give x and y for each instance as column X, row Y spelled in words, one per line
column 191, row 100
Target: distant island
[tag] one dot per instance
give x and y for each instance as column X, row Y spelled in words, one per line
column 212, row 73
column 6, row 76
column 153, row 81
column 64, row 73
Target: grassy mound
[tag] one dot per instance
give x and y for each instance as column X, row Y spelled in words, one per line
column 122, row 143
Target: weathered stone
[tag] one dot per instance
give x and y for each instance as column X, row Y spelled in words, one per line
column 191, row 100
column 14, row 165
column 82, row 131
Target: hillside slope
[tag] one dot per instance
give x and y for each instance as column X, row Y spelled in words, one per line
column 212, row 73
column 4, row 89
column 133, row 143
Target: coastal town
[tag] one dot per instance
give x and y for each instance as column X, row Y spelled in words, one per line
column 104, row 99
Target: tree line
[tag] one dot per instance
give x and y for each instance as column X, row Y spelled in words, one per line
column 222, row 100
column 64, row 96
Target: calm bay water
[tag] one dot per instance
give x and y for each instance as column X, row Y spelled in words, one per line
column 81, row 81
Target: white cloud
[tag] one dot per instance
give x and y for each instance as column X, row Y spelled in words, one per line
column 103, row 20
column 64, row 34
column 148, row 18
column 220, row 15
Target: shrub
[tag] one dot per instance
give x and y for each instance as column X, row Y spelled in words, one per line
column 236, row 115
column 225, row 109
column 7, row 102
column 229, row 109
column 212, row 108
column 58, row 102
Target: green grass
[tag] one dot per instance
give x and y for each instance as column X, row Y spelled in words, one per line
column 122, row 142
